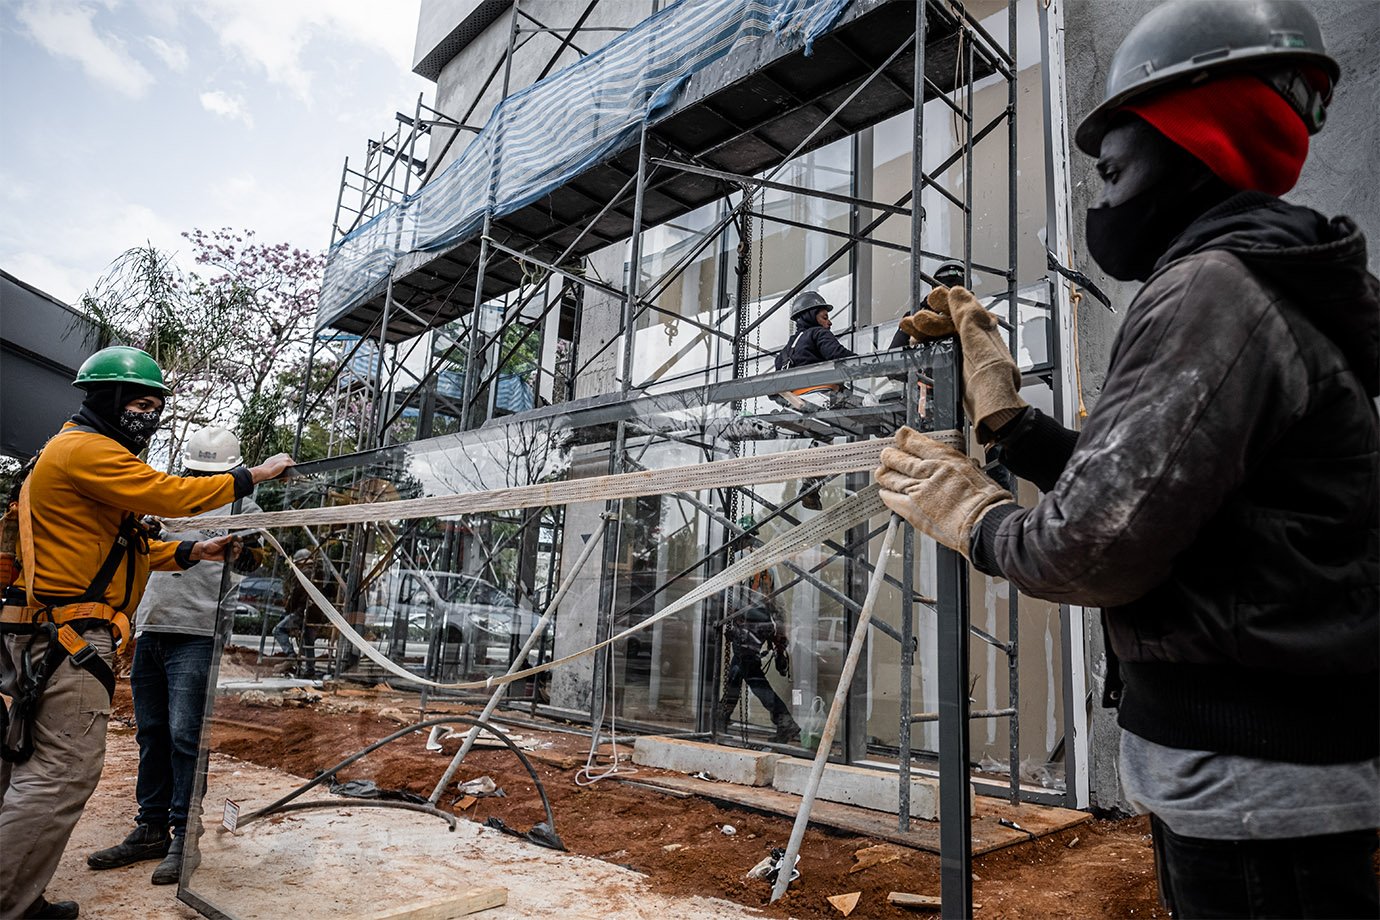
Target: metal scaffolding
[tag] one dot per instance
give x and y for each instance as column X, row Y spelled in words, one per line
column 435, row 356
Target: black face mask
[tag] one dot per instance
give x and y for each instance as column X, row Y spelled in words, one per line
column 139, row 426
column 1128, row 239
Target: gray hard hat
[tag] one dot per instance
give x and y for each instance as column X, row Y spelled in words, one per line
column 953, row 270
column 1188, row 41
column 808, row 302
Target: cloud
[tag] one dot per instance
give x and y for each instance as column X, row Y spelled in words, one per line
column 63, row 281
column 65, row 28
column 174, row 57
column 14, row 189
column 65, row 258
column 222, row 103
column 273, row 35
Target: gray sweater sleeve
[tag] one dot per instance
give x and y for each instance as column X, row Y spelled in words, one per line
column 185, row 602
column 1192, row 394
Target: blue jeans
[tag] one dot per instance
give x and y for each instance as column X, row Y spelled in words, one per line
column 169, row 683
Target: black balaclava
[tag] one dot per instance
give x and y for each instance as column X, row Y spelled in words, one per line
column 810, row 319
column 1127, row 239
column 103, row 408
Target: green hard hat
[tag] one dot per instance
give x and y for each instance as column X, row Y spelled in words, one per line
column 121, row 364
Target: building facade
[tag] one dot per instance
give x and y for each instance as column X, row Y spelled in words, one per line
column 554, row 306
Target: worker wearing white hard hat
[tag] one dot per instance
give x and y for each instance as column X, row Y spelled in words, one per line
column 175, row 626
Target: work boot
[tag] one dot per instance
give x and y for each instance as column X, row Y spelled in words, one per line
column 721, row 716
column 146, row 841
column 809, row 494
column 170, row 869
column 43, row 909
column 787, row 732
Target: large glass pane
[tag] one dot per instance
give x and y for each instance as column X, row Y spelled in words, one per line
column 452, row 596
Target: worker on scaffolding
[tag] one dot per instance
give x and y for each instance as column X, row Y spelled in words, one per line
column 1219, row 502
column 85, row 558
column 812, row 342
column 754, row 637
column 301, row 618
column 916, row 326
column 175, row 628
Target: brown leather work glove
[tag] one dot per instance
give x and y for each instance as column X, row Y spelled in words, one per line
column 991, row 380
column 937, row 489
column 924, row 325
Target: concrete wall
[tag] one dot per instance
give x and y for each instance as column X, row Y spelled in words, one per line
column 1342, row 176
column 461, row 79
column 572, row 686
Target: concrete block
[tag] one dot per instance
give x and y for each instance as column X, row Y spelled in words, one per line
column 861, row 787
column 747, row 768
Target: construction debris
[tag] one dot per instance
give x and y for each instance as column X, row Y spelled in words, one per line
column 479, row 788
column 877, row 855
column 259, row 698
column 301, row 696
column 770, row 867
column 917, row 901
column 844, row 903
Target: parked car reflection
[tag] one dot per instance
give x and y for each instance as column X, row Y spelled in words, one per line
column 468, row 623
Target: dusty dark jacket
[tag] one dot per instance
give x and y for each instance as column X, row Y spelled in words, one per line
column 810, row 344
column 1221, row 502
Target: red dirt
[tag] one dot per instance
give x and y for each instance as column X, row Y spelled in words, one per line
column 1103, row 868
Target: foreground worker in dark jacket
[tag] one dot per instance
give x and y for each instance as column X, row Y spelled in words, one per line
column 1221, row 501
column 85, row 560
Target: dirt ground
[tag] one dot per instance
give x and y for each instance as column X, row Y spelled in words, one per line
column 1097, row 869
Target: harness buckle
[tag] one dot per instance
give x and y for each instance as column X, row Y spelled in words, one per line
column 82, row 657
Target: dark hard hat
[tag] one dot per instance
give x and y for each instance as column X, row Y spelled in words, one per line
column 950, row 273
column 1189, row 41
column 808, row 302
column 121, row 364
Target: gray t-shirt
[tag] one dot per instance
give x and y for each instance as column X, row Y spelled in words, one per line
column 1227, row 797
column 185, row 602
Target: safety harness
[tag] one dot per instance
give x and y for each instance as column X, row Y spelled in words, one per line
column 788, row 361
column 62, row 620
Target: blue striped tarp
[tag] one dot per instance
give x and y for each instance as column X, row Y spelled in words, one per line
column 540, row 138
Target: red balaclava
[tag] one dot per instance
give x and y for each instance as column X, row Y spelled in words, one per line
column 1238, row 126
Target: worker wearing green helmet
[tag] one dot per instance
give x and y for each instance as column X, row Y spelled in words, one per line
column 85, row 558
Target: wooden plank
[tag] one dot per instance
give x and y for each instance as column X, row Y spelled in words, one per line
column 447, row 907
column 988, row 835
column 918, row 901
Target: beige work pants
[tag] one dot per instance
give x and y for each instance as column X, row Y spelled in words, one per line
column 42, row 798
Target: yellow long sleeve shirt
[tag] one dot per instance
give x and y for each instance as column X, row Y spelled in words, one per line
column 81, row 488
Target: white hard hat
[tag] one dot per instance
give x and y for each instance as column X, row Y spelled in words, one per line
column 302, row 555
column 212, row 450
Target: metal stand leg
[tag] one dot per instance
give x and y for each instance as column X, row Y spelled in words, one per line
column 826, row 739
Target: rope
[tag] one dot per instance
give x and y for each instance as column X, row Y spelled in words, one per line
column 850, row 512
column 795, row 464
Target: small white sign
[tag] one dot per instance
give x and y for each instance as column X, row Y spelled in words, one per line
column 231, row 819
column 796, row 697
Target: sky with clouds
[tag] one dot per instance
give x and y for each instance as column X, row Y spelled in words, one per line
column 130, row 122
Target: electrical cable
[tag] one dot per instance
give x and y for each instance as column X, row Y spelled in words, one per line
column 548, row 833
